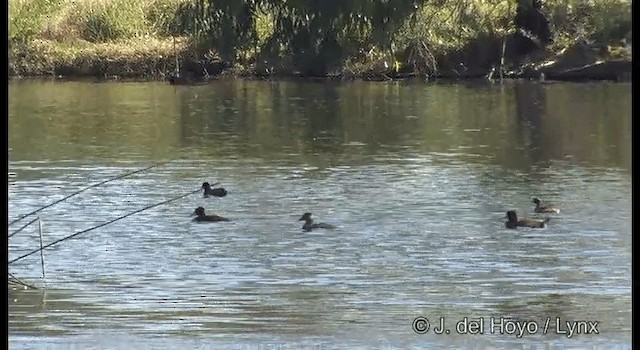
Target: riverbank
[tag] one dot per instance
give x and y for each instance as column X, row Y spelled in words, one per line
column 112, row 62
column 87, row 39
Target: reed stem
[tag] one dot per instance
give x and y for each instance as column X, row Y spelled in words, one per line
column 504, row 48
column 175, row 54
column 41, row 250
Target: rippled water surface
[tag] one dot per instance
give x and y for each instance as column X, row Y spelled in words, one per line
column 417, row 178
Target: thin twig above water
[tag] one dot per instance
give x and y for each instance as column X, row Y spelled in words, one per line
column 23, row 227
column 101, row 225
column 82, row 190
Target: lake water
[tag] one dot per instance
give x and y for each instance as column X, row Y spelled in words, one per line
column 417, row 178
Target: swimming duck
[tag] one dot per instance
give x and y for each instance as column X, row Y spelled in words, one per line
column 216, row 192
column 203, row 217
column 542, row 207
column 514, row 222
column 309, row 225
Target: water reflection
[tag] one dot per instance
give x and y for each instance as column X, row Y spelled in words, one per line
column 531, row 104
column 515, row 126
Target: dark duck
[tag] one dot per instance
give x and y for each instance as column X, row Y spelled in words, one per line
column 542, row 207
column 216, row 192
column 201, row 216
column 514, row 222
column 310, row 225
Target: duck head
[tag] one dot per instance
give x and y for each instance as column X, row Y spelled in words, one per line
column 305, row 217
column 512, row 216
column 535, row 200
column 199, row 211
column 206, row 186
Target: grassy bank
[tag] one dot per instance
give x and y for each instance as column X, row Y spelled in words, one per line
column 145, row 39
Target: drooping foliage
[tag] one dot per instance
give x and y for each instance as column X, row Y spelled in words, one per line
column 311, row 33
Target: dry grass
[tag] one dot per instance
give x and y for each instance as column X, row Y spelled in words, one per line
column 136, row 57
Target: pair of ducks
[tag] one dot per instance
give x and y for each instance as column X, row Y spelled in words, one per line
column 221, row 192
column 541, row 207
column 208, row 192
column 306, row 217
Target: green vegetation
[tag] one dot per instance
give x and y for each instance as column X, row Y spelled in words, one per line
column 130, row 38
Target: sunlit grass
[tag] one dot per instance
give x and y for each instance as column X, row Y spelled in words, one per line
column 135, row 57
column 91, row 20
